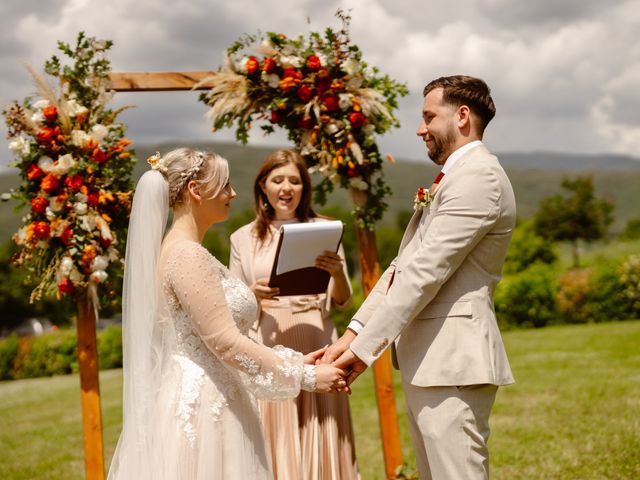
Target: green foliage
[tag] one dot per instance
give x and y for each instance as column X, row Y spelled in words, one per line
column 527, row 248
column 579, row 216
column 631, row 230
column 527, row 299
column 8, row 352
column 51, row 354
column 55, row 353
column 110, row 348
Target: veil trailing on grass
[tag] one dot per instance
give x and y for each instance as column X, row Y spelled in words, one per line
column 142, row 338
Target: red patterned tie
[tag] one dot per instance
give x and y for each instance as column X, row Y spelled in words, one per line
column 436, row 181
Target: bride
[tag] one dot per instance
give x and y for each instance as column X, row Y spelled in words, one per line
column 191, row 374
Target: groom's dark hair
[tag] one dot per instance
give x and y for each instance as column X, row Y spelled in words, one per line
column 464, row 90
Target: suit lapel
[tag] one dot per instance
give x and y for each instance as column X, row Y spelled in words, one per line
column 410, row 231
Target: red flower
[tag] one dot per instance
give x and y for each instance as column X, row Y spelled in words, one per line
column 269, row 65
column 323, row 84
column 39, row 204
column 305, row 93
column 292, row 73
column 305, row 122
column 33, row 172
column 313, row 63
column 93, row 199
column 41, row 230
column 352, row 172
column 104, row 242
column 275, row 116
column 337, row 85
column 66, row 286
column 330, row 102
column 357, row 119
column 47, row 134
column 421, row 194
column 50, row 113
column 50, row 183
column 99, row 156
column 66, row 236
column 252, row 66
column 74, row 182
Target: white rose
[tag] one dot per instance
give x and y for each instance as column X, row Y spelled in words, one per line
column 273, row 80
column 37, row 117
column 324, row 61
column 75, row 276
column 98, row 132
column 99, row 263
column 74, row 108
column 350, row 67
column 105, row 231
column 65, row 266
column 98, row 276
column 88, row 222
column 20, row 146
column 40, row 104
column 64, row 163
column 21, row 236
column 80, row 208
column 49, row 214
column 45, row 164
column 345, row 101
column 331, row 128
column 79, row 138
column 291, row 61
column 81, row 197
column 56, row 205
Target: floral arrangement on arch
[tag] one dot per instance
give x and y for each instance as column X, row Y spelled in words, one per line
column 331, row 103
column 76, row 174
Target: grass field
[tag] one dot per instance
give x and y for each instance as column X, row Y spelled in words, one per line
column 574, row 413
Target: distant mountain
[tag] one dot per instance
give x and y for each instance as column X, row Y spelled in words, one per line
column 569, row 161
column 533, row 175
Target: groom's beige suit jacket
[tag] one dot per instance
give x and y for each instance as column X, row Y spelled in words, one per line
column 439, row 309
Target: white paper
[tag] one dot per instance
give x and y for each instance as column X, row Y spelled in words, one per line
column 303, row 242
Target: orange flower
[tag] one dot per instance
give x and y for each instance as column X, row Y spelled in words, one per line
column 50, row 113
column 252, row 66
column 99, row 156
column 50, row 183
column 313, row 63
column 106, row 217
column 74, row 182
column 89, row 254
column 269, row 65
column 33, row 172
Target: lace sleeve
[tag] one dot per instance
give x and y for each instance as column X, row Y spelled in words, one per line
column 195, row 278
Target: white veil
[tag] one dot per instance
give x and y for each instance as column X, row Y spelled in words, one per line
column 141, row 338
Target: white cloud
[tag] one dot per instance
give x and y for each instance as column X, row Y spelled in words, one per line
column 564, row 74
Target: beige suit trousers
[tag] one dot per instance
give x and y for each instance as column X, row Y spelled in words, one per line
column 450, row 428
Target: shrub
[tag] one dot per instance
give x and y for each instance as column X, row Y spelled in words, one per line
column 527, row 299
column 632, row 229
column 630, row 280
column 8, row 352
column 110, row 348
column 51, row 354
column 527, row 248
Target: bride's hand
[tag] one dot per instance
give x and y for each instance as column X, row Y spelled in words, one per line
column 330, row 379
column 313, row 357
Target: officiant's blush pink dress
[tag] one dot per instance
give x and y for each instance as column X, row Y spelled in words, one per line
column 309, row 437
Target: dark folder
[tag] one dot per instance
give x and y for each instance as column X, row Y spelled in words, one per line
column 302, row 281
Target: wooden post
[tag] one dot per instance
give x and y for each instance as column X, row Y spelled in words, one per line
column 382, row 374
column 173, row 81
column 90, row 390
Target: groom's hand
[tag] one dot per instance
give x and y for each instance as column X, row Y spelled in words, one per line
column 350, row 362
column 342, row 344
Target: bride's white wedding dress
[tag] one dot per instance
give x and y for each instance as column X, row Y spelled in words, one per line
column 203, row 417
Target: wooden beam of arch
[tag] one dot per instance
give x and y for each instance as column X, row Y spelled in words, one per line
column 389, row 427
column 159, row 81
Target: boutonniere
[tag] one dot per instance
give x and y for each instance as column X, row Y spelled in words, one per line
column 422, row 199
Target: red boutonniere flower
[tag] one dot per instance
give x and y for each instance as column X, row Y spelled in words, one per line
column 422, row 199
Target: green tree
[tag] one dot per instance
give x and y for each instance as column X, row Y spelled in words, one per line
column 579, row 215
column 527, row 248
column 632, row 229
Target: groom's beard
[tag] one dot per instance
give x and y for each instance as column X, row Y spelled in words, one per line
column 441, row 147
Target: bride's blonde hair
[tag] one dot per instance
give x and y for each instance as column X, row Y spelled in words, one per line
column 209, row 170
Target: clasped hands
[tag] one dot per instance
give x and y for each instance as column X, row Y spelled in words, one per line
column 341, row 360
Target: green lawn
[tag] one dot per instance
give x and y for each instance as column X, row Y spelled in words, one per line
column 574, row 413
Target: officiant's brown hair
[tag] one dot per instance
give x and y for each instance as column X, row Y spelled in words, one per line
column 264, row 211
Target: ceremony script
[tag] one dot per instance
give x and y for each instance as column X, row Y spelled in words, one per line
column 300, row 244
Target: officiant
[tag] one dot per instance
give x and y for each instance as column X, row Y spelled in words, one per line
column 309, row 437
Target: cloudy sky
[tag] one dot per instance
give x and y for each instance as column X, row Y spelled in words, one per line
column 565, row 74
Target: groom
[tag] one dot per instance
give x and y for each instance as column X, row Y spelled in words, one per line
column 434, row 303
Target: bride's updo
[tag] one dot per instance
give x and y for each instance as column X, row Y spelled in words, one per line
column 209, row 170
